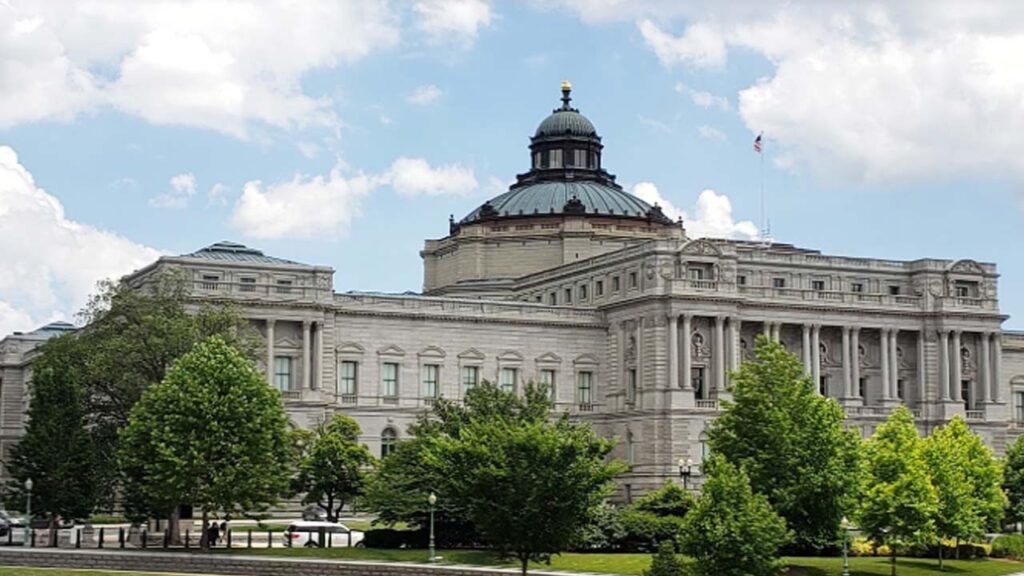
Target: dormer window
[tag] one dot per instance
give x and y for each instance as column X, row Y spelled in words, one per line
column 210, row 281
column 966, row 289
column 284, row 286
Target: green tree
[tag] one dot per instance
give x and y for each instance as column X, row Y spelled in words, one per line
column 1013, row 480
column 57, row 451
column 665, row 562
column 669, row 500
column 733, row 531
column 332, row 470
column 967, row 480
column 212, row 434
column 528, row 486
column 793, row 444
column 899, row 503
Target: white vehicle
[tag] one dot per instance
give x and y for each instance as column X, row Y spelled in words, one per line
column 306, row 533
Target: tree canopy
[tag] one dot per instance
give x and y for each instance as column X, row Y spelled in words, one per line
column 733, row 531
column 793, row 444
column 332, row 469
column 1013, row 480
column 212, row 434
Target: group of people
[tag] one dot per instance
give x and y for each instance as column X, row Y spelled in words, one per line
column 215, row 531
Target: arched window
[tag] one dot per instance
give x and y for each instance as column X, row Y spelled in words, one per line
column 388, row 439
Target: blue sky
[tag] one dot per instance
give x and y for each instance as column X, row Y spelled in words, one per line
column 345, row 133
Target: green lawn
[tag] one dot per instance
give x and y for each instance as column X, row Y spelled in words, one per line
column 633, row 564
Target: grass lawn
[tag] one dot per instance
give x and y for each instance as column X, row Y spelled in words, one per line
column 258, row 528
column 635, row 563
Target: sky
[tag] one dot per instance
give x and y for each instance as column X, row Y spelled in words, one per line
column 345, row 132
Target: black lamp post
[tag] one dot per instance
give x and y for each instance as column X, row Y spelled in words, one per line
column 432, row 500
column 685, row 471
column 844, row 524
column 28, row 512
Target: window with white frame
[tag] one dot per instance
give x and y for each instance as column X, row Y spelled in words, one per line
column 431, row 374
column 584, row 387
column 547, row 379
column 508, row 379
column 388, row 439
column 283, row 372
column 470, row 376
column 348, row 372
column 389, row 379
column 1018, row 405
column 247, row 284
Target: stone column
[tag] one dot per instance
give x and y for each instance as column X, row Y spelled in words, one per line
column 883, row 346
column 958, row 369
column 736, row 327
column 306, row 369
column 687, row 352
column 983, row 367
column 894, row 364
column 807, row 349
column 639, row 358
column 922, row 380
column 270, row 350
column 855, row 362
column 997, row 365
column 944, row 365
column 816, row 356
column 673, row 351
column 318, row 364
column 847, row 388
column 719, row 354
column 777, row 331
column 767, row 330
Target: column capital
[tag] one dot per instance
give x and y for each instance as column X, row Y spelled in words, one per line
column 270, row 321
column 846, row 329
column 719, row 319
column 672, row 317
column 855, row 329
column 307, row 323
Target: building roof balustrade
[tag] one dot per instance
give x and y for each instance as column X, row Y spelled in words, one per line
column 456, row 307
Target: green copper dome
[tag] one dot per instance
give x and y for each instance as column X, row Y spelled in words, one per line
column 565, row 123
column 559, row 198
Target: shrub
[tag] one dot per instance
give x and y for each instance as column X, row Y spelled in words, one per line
column 665, row 562
column 603, row 533
column 669, row 500
column 391, row 538
column 644, row 531
column 1009, row 546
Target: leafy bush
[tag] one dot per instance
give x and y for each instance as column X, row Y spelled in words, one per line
column 1009, row 546
column 604, row 532
column 391, row 538
column 665, row 562
column 669, row 500
column 644, row 532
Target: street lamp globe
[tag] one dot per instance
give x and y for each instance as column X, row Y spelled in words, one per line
column 28, row 484
column 844, row 523
column 432, row 499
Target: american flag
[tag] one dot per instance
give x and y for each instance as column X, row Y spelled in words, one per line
column 757, row 144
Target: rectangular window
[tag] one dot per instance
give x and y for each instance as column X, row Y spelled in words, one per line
column 389, row 379
column 695, row 273
column 581, row 158
column 430, row 378
column 899, row 389
column 966, row 289
column 967, row 394
column 583, row 292
column 284, row 286
column 470, row 376
column 568, row 295
column 283, row 372
column 894, row 290
column 697, row 381
column 553, row 298
column 584, row 385
column 347, row 373
column 632, row 279
column 1018, row 406
column 823, row 385
column 547, row 379
column 862, row 386
column 509, row 376
column 540, row 299
column 615, row 284
column 210, row 281
column 741, row 280
column 631, row 385
column 556, row 158
column 818, row 285
column 247, row 284
column 599, row 288
column 778, row 282
column 857, row 287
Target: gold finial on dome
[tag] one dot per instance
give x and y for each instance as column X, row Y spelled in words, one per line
column 566, row 85
column 566, row 89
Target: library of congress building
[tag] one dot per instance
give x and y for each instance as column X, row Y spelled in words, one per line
column 569, row 280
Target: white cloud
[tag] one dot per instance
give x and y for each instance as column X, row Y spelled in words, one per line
column 218, row 194
column 711, row 133
column 423, row 95
column 702, row 98
column 700, row 45
column 183, row 187
column 224, row 65
column 305, row 207
column 712, row 214
column 445, row 21
column 871, row 91
column 415, row 176
column 51, row 264
column 309, row 149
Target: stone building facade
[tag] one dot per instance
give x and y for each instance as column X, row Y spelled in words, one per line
column 569, row 280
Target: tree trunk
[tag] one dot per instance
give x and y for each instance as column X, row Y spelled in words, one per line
column 525, row 560
column 940, row 554
column 331, row 516
column 957, row 553
column 204, row 542
column 892, row 555
column 174, row 526
column 52, row 536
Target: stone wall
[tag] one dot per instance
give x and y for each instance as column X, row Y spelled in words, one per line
column 194, row 563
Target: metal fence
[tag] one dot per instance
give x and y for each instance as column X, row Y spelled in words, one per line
column 141, row 538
